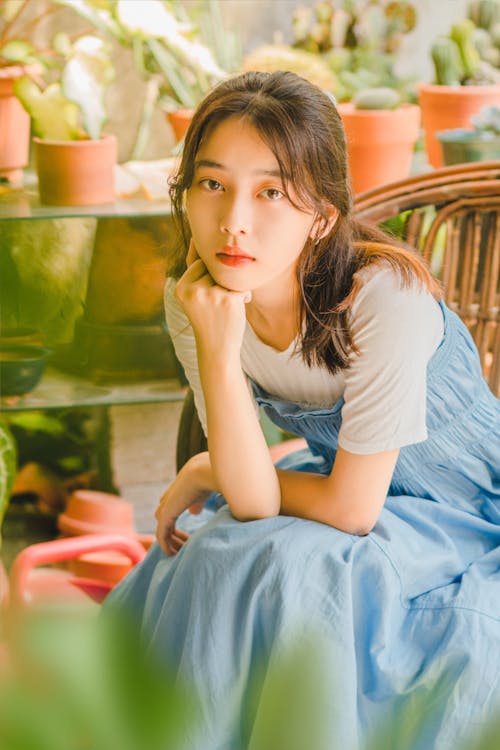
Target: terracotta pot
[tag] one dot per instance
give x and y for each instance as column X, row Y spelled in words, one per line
column 93, row 512
column 446, row 107
column 380, row 143
column 280, row 450
column 123, row 353
column 76, row 173
column 180, row 121
column 107, row 566
column 14, row 128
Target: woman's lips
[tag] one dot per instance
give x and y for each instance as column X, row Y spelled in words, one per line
column 234, row 256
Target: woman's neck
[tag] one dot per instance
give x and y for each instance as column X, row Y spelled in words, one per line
column 273, row 318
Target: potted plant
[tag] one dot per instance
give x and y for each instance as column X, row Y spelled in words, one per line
column 381, row 133
column 74, row 160
column 348, row 49
column 17, row 55
column 179, row 58
column 358, row 42
column 467, row 75
column 479, row 143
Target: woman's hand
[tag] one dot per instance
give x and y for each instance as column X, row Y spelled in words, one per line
column 191, row 488
column 216, row 314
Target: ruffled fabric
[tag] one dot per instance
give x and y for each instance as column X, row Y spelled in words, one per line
column 411, row 610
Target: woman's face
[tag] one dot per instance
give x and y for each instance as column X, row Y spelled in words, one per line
column 244, row 228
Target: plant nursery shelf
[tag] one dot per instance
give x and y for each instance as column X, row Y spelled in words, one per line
column 59, row 390
column 90, row 279
column 25, row 204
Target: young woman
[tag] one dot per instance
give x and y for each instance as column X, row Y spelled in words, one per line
column 383, row 537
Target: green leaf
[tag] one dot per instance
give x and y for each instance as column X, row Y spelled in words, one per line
column 53, row 116
column 61, row 43
column 17, row 51
column 85, row 79
column 8, row 464
column 38, row 422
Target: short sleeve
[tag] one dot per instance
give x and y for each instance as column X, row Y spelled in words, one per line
column 396, row 330
column 182, row 336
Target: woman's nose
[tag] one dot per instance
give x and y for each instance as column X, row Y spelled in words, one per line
column 236, row 218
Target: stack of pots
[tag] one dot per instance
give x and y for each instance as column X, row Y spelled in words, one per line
column 93, row 512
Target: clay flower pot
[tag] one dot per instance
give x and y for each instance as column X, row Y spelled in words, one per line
column 380, row 143
column 180, row 121
column 76, row 173
column 447, row 107
column 93, row 512
column 14, row 128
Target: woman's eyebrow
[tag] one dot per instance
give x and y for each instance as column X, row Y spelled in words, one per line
column 216, row 165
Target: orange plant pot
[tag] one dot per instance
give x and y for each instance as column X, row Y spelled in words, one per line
column 14, row 128
column 76, row 173
column 380, row 143
column 447, row 107
column 180, row 121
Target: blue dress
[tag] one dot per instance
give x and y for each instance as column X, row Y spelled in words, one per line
column 410, row 611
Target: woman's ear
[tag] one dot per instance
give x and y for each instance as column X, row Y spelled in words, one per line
column 321, row 226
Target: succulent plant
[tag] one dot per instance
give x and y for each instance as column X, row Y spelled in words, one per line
column 356, row 40
column 73, row 107
column 376, row 98
column 488, row 120
column 271, row 57
column 470, row 53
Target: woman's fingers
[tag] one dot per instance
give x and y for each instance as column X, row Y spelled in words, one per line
column 170, row 538
column 180, row 534
column 192, row 253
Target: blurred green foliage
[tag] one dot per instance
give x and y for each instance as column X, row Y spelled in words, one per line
column 77, row 682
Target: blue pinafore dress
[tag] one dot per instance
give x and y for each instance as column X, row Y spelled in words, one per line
column 408, row 613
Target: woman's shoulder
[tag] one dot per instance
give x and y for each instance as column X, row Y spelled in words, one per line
column 395, row 306
column 383, row 285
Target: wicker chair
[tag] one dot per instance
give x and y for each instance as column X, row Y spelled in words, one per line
column 452, row 215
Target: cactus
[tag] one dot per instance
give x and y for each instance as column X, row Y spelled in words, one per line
column 376, row 98
column 356, row 38
column 271, row 57
column 448, row 64
column 484, row 13
column 461, row 34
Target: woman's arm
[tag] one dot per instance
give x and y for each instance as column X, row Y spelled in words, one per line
column 350, row 498
column 242, row 465
column 217, row 316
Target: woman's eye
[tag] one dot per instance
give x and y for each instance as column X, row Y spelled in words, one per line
column 212, row 185
column 273, row 194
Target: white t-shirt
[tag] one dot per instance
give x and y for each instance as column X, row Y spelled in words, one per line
column 396, row 330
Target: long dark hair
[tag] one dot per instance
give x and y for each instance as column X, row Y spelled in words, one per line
column 301, row 126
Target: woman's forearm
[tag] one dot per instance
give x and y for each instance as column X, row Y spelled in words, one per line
column 308, row 495
column 350, row 498
column 241, row 464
